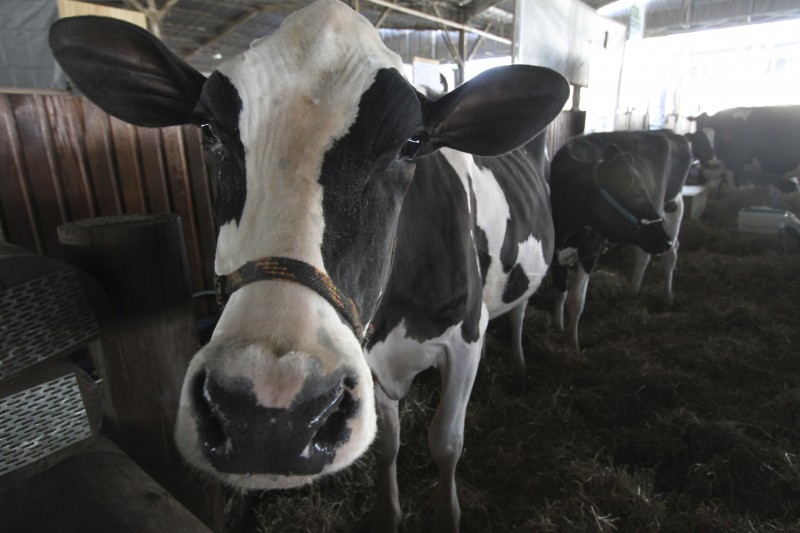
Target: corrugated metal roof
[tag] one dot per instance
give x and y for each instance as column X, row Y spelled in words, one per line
column 208, row 31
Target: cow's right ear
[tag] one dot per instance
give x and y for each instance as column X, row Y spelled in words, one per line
column 126, row 71
column 497, row 111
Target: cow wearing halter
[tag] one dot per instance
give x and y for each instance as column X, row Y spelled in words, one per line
column 622, row 187
column 343, row 251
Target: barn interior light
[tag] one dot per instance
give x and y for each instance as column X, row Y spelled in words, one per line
column 217, row 55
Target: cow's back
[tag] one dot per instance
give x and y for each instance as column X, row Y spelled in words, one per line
column 514, row 233
column 774, row 135
column 769, row 134
column 680, row 159
column 664, row 156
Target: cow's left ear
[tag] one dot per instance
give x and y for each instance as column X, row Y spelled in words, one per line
column 497, row 111
column 617, row 170
column 126, row 70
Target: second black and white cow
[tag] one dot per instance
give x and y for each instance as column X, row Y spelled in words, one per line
column 757, row 144
column 334, row 224
column 623, row 187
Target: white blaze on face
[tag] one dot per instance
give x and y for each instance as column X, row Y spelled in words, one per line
column 300, row 89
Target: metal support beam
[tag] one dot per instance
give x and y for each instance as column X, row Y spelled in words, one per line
column 382, row 17
column 439, row 20
column 462, row 52
column 477, row 44
column 687, row 13
column 155, row 15
column 451, row 47
column 476, row 7
column 230, row 29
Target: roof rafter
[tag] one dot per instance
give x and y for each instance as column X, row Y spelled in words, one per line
column 439, row 20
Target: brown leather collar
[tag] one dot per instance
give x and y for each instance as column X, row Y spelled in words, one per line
column 287, row 269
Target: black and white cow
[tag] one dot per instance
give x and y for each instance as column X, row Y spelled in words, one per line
column 334, row 224
column 623, row 187
column 757, row 144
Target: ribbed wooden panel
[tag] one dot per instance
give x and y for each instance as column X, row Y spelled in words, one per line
column 559, row 131
column 63, row 159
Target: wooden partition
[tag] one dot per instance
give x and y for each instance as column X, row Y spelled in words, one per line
column 566, row 125
column 63, row 159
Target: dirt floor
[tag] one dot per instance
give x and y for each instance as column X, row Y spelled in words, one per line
column 680, row 419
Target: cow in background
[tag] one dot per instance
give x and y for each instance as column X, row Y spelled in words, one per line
column 757, row 144
column 344, row 252
column 622, row 187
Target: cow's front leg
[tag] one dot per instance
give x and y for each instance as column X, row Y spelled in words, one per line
column 559, row 273
column 640, row 262
column 668, row 263
column 517, row 356
column 558, row 309
column 386, row 515
column 576, row 299
column 446, row 432
column 672, row 225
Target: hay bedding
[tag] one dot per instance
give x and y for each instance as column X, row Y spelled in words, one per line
column 681, row 419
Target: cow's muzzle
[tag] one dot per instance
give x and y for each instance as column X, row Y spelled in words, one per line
column 653, row 239
column 238, row 435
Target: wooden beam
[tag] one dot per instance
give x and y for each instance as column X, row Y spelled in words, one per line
column 477, row 7
column 477, row 43
column 439, row 20
column 227, row 31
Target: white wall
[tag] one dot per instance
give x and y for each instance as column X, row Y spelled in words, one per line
column 571, row 38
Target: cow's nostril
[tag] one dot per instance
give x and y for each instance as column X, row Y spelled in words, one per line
column 211, row 433
column 334, row 428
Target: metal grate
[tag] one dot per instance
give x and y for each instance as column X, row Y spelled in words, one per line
column 42, row 318
column 40, row 421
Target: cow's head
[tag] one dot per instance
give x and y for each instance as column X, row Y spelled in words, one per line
column 626, row 206
column 312, row 136
column 702, row 145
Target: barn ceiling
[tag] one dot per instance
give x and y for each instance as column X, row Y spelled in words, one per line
column 206, row 32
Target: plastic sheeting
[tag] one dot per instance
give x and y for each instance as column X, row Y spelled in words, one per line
column 25, row 57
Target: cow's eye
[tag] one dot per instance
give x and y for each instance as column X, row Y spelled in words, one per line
column 411, row 147
column 212, row 142
column 208, row 132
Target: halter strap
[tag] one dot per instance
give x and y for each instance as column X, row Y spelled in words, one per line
column 287, row 269
column 635, row 222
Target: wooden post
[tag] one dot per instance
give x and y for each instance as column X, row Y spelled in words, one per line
column 147, row 342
